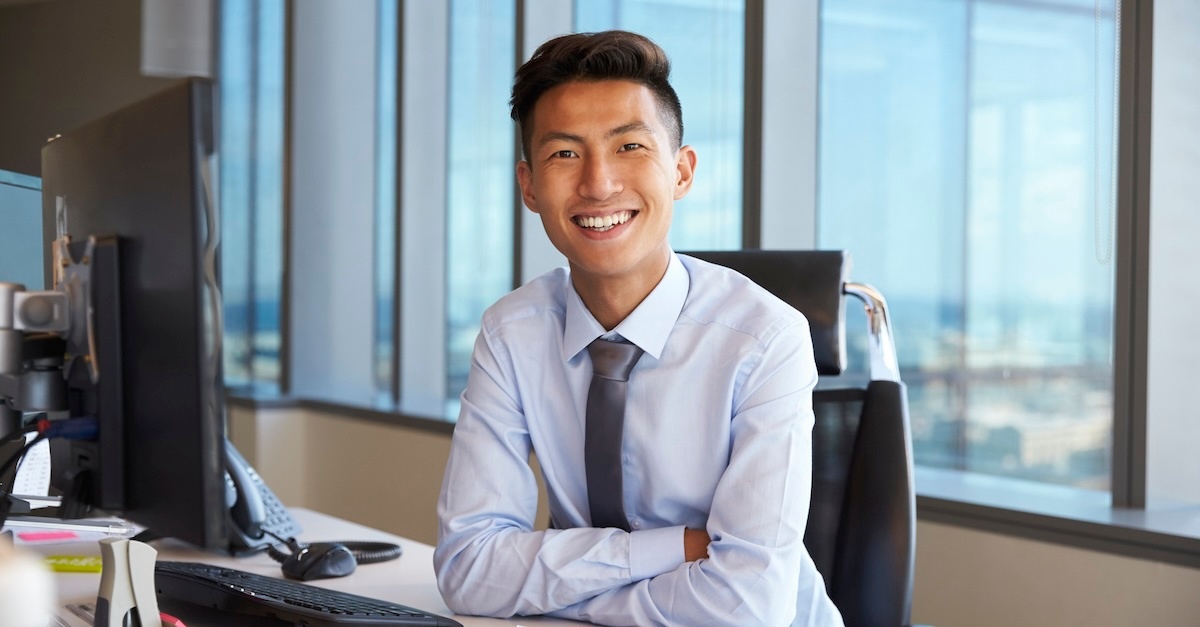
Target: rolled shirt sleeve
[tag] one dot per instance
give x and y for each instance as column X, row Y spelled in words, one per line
column 721, row 440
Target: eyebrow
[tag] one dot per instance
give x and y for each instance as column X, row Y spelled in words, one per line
column 629, row 127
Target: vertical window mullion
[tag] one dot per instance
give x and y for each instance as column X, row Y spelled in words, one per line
column 385, row 259
column 254, row 15
column 423, row 163
column 1131, row 319
column 787, row 172
column 752, row 117
column 540, row 20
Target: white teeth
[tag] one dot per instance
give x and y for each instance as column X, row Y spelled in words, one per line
column 604, row 223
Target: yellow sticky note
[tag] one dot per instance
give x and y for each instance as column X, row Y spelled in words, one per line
column 74, row 563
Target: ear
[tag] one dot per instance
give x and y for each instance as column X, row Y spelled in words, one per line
column 525, row 182
column 685, row 170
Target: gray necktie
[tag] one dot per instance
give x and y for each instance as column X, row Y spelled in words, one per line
column 611, row 364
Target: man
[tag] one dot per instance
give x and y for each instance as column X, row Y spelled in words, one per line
column 698, row 516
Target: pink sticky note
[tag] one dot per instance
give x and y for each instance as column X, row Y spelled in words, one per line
column 44, row 536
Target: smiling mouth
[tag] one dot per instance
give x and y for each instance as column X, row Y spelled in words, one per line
column 601, row 224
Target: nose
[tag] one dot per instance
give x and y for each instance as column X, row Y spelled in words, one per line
column 599, row 179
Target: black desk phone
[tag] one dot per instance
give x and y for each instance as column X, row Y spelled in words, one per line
column 254, row 510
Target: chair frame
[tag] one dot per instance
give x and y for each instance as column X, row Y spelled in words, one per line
column 872, row 564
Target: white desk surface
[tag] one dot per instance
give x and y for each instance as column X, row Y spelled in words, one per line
column 408, row 580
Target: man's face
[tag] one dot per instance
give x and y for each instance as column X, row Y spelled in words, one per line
column 603, row 176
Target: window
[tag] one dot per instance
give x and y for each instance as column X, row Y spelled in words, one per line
column 962, row 150
column 250, row 187
column 966, row 160
column 975, row 138
column 480, row 196
column 709, row 80
column 21, row 238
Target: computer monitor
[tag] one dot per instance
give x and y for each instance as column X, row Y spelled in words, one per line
column 132, row 192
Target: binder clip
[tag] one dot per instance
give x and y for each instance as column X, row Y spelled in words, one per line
column 127, row 597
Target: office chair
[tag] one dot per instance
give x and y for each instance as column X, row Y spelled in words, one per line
column 861, row 523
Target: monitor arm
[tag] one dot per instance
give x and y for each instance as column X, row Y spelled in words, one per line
column 49, row 351
column 31, row 354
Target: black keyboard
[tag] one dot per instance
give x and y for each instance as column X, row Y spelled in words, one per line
column 240, row 592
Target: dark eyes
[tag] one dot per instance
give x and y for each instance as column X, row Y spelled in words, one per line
column 570, row 154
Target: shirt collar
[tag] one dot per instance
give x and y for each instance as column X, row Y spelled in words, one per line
column 648, row 325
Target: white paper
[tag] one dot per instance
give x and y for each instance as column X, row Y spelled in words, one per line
column 33, row 475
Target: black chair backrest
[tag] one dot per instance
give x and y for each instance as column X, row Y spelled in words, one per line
column 810, row 281
column 861, row 529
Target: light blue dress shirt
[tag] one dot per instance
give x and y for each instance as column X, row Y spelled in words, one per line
column 718, row 436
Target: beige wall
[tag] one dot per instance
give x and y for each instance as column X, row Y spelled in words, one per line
column 388, row 477
column 381, row 476
column 62, row 64
column 978, row 579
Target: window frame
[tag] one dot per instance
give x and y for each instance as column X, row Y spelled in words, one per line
column 782, row 174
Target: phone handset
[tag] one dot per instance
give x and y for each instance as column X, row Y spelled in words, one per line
column 253, row 509
column 247, row 510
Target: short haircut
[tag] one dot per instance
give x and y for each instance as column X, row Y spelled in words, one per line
column 589, row 57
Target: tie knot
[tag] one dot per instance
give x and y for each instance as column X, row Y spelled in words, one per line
column 613, row 360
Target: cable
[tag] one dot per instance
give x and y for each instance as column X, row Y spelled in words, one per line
column 82, row 428
column 275, row 553
column 15, row 458
column 373, row 552
column 17, row 435
column 364, row 552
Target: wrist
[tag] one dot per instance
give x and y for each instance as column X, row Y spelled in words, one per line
column 695, row 544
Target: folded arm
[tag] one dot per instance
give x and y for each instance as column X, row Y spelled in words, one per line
column 489, row 560
column 756, row 558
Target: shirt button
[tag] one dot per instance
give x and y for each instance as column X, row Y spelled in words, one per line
column 636, row 524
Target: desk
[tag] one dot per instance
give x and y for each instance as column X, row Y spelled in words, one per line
column 408, row 580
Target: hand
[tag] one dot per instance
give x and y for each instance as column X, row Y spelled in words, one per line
column 695, row 544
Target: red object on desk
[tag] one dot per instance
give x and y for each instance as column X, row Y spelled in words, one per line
column 170, row 621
